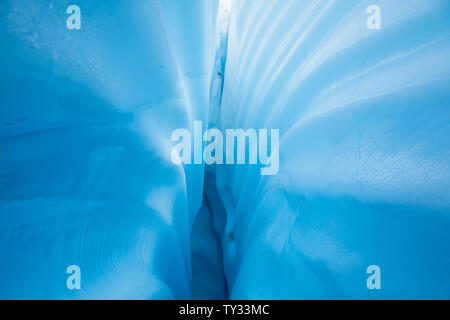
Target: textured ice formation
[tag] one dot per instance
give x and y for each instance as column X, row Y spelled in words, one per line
column 86, row 178
column 364, row 149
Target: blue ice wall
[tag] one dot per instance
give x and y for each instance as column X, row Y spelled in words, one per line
column 86, row 177
column 85, row 123
column 364, row 149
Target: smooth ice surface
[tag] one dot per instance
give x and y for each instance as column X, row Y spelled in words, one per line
column 85, row 123
column 86, row 178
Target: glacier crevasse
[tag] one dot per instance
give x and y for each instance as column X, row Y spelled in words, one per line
column 85, row 172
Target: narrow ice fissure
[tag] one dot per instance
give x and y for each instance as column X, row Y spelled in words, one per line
column 208, row 277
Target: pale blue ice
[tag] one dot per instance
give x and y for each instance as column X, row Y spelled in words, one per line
column 86, row 177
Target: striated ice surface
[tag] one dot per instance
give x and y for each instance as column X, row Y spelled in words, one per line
column 364, row 174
